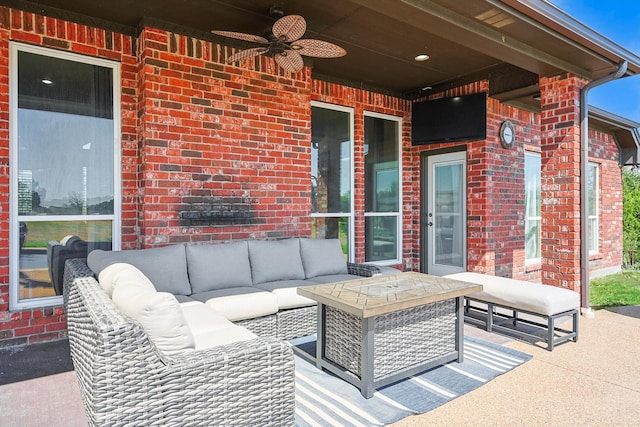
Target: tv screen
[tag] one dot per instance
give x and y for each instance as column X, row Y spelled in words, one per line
column 461, row 118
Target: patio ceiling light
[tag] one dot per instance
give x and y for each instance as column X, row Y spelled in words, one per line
column 421, row 57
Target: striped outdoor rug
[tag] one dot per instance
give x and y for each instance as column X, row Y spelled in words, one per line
column 324, row 400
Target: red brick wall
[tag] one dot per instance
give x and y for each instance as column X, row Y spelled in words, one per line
column 40, row 324
column 560, row 143
column 219, row 138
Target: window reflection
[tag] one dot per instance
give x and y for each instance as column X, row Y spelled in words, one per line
column 36, row 240
column 65, row 171
column 330, row 160
column 65, row 164
column 382, row 189
column 331, row 175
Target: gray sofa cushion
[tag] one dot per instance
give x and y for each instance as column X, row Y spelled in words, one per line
column 166, row 267
column 275, row 260
column 218, row 266
column 321, row 257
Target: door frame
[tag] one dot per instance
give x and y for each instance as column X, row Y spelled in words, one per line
column 424, row 240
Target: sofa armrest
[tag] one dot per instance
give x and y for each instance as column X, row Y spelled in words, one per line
column 246, row 383
column 74, row 268
column 366, row 270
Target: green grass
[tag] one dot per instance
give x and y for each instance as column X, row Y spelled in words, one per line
column 615, row 290
column 40, row 232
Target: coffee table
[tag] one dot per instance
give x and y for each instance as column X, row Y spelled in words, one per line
column 377, row 330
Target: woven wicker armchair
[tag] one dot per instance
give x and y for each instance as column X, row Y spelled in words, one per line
column 125, row 380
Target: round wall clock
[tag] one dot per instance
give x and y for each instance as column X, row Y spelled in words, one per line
column 507, row 134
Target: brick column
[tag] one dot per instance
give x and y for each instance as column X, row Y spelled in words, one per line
column 560, row 142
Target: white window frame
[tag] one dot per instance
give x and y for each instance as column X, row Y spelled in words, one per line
column 349, row 215
column 538, row 260
column 594, row 246
column 398, row 215
column 14, row 256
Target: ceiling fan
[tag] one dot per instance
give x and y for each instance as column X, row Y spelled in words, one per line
column 284, row 43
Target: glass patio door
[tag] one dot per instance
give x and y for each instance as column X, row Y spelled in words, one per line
column 445, row 219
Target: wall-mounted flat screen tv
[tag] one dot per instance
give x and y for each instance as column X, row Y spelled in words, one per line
column 461, row 118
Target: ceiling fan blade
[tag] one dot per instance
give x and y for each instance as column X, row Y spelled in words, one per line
column 241, row 36
column 246, row 54
column 289, row 28
column 290, row 61
column 318, row 48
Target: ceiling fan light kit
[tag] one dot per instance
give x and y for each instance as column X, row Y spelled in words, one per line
column 284, row 43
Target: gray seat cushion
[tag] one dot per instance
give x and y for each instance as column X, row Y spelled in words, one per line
column 218, row 266
column 166, row 267
column 273, row 260
column 321, row 257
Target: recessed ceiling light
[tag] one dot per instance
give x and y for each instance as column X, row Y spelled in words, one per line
column 421, row 57
column 47, row 82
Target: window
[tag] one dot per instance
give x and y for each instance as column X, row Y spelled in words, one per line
column 331, row 173
column 64, row 156
column 532, row 205
column 382, row 188
column 593, row 195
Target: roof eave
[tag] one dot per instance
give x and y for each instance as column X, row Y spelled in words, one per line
column 626, row 133
column 566, row 26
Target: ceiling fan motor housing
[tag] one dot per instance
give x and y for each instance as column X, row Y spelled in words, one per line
column 275, row 44
column 276, row 12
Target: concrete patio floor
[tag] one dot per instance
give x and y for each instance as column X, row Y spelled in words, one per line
column 595, row 381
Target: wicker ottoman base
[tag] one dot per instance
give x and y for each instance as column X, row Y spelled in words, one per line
column 373, row 352
column 401, row 339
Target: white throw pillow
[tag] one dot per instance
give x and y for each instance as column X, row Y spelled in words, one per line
column 121, row 271
column 159, row 313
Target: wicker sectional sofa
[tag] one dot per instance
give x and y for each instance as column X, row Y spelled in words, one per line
column 218, row 358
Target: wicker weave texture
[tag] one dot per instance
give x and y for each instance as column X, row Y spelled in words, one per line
column 401, row 339
column 125, row 381
column 265, row 326
column 297, row 322
column 365, row 270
